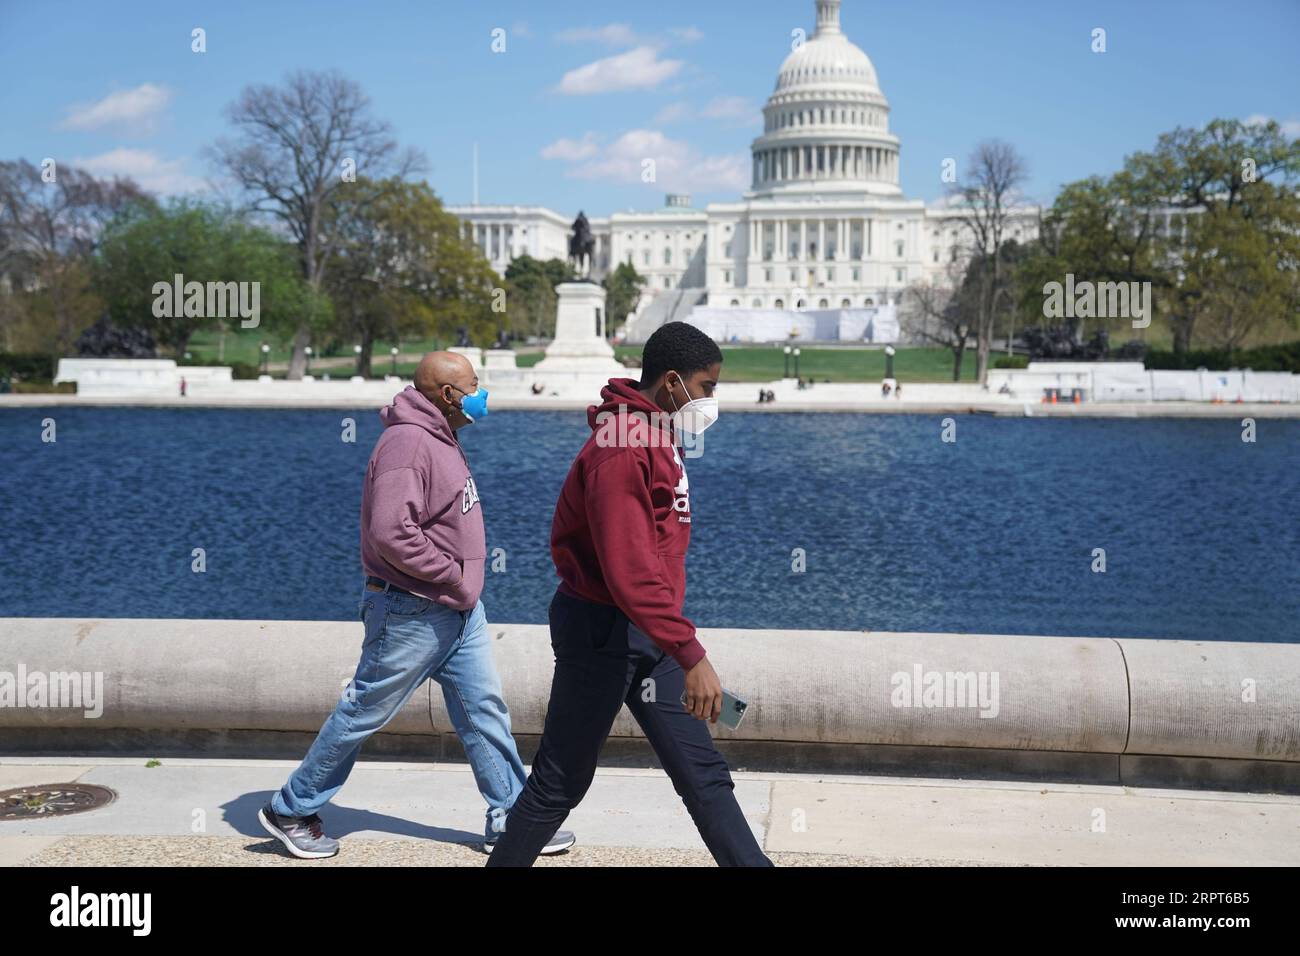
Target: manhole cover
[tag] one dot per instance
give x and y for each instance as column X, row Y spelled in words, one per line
column 53, row 800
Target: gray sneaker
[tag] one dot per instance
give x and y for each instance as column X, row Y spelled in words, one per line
column 562, row 840
column 304, row 837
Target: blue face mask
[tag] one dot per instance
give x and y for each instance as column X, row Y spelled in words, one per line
column 473, row 404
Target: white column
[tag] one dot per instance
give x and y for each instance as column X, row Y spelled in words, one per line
column 821, row 239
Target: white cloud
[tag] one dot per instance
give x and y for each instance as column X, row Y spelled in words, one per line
column 638, row 69
column 134, row 110
column 1290, row 128
column 166, row 176
column 520, row 29
column 678, row 166
column 613, row 34
column 687, row 34
column 572, row 149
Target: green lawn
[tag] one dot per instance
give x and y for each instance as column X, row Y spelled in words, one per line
column 741, row 363
column 841, row 364
column 245, row 346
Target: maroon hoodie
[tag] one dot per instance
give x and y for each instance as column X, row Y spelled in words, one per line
column 623, row 521
column 421, row 525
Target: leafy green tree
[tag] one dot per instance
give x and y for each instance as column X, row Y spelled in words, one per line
column 622, row 290
column 530, row 294
column 1209, row 218
column 148, row 244
column 400, row 267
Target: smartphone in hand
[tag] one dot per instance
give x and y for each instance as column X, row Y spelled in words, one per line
column 733, row 709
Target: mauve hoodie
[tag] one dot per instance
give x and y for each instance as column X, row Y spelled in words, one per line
column 421, row 523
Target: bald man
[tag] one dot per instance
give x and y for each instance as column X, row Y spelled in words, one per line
column 422, row 551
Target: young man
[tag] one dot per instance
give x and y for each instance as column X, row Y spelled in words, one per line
column 618, row 540
column 422, row 549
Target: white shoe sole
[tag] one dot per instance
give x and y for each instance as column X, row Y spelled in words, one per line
column 288, row 844
column 558, row 847
column 546, row 850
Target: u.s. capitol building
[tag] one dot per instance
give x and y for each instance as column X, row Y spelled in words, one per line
column 822, row 245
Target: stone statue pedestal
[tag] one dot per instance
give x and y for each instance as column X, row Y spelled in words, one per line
column 579, row 344
column 474, row 355
column 499, row 358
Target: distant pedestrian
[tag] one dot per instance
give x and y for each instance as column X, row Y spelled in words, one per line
column 182, row 386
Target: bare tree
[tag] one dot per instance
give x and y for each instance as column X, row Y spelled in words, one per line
column 300, row 145
column 940, row 311
column 50, row 222
column 986, row 197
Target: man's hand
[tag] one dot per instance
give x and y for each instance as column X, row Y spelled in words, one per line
column 703, row 692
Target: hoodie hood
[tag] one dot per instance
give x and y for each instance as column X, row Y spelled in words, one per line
column 410, row 407
column 621, row 391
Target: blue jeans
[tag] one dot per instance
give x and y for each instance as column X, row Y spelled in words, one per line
column 408, row 640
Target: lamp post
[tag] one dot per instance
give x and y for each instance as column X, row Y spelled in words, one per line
column 889, row 361
column 266, row 359
column 307, row 352
column 796, row 363
column 393, row 353
column 786, row 372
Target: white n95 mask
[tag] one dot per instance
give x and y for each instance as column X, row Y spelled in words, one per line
column 697, row 414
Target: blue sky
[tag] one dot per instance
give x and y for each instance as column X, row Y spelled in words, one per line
column 560, row 122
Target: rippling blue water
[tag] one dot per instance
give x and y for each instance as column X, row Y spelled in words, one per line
column 992, row 533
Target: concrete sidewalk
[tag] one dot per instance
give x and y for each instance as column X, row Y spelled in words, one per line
column 203, row 812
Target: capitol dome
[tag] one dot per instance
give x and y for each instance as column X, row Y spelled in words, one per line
column 826, row 124
column 829, row 57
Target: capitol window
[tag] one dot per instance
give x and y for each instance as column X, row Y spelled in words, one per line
column 779, row 304
column 646, row 256
column 898, row 247
column 668, row 257
column 726, row 277
column 845, row 303
column 767, row 275
column 735, row 302
column 757, row 303
column 822, row 303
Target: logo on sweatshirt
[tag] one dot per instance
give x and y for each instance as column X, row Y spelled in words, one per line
column 682, row 493
column 469, row 497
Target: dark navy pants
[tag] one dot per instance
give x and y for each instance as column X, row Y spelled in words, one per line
column 602, row 662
